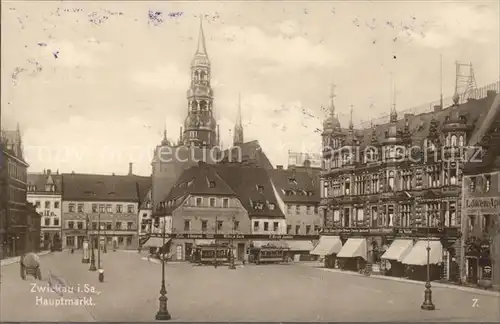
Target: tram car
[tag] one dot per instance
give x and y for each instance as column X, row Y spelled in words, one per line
column 267, row 254
column 205, row 254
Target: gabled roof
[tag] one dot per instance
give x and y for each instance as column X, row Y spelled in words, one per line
column 297, row 186
column 37, row 181
column 251, row 153
column 250, row 184
column 97, row 187
column 473, row 110
column 147, row 199
column 253, row 187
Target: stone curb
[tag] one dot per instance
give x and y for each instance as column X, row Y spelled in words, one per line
column 434, row 284
column 8, row 261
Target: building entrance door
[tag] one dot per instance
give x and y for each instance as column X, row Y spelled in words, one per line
column 241, row 251
column 472, row 270
column 179, row 252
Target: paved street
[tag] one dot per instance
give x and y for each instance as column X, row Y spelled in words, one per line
column 253, row 293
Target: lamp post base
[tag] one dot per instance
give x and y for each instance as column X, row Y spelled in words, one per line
column 427, row 304
column 85, row 260
column 92, row 266
column 163, row 314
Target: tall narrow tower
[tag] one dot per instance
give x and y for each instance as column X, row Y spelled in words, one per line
column 200, row 125
column 238, row 126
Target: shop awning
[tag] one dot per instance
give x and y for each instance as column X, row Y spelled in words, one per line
column 354, row 247
column 300, row 245
column 327, row 245
column 418, row 254
column 204, row 242
column 275, row 244
column 398, row 250
column 156, row 242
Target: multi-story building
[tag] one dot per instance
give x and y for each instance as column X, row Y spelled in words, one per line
column 145, row 213
column 105, row 204
column 481, row 206
column 297, row 190
column 13, row 213
column 33, row 228
column 389, row 191
column 220, row 199
column 45, row 192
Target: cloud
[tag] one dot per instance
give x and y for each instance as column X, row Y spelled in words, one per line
column 252, row 43
column 288, row 27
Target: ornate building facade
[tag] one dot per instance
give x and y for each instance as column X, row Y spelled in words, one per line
column 389, row 191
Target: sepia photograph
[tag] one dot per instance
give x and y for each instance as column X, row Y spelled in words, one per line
column 250, row 161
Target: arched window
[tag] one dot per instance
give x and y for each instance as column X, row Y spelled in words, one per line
column 391, row 181
column 461, row 140
column 447, row 140
column 454, row 140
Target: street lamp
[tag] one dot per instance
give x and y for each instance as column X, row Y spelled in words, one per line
column 216, row 232
column 232, row 266
column 85, row 257
column 427, row 304
column 163, row 314
column 92, row 256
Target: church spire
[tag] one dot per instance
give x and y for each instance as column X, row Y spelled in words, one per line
column 165, row 141
column 202, row 48
column 351, row 124
column 238, row 127
column 394, row 113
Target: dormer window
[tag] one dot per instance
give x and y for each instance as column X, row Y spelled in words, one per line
column 260, row 188
column 271, row 206
column 211, row 184
column 190, row 183
column 292, row 181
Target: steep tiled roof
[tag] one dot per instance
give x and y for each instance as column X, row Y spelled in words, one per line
column 253, row 187
column 37, row 182
column 96, row 187
column 419, row 125
column 251, row 153
column 147, row 199
column 297, row 186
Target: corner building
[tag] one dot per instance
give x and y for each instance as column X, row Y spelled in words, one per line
column 390, row 191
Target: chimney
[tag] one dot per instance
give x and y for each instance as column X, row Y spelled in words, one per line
column 130, row 168
column 279, row 167
column 72, row 172
column 437, row 108
column 48, row 172
column 113, row 173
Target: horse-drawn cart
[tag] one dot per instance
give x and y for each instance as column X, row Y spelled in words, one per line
column 30, row 265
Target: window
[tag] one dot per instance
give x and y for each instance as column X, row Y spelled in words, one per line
column 453, row 174
column 451, row 214
column 199, row 201
column 486, row 225
column 275, row 226
column 118, row 226
column 266, row 226
column 260, row 188
column 315, row 210
column 309, row 210
column 130, row 209
column 120, row 240
column 80, row 208
column 71, row 208
column 187, row 225
column 109, row 226
column 308, row 229
column 70, row 241
column 219, row 225
column 433, row 213
column 94, row 225
column 119, row 209
column 289, row 229
column 297, row 229
column 56, row 204
column 71, row 224
column 37, row 204
column 211, row 184
column 347, row 187
column 487, row 183
column 56, row 221
column 390, row 216
column 391, row 181
column 212, row 202
column 47, row 204
column 236, row 225
column 316, row 228
column 289, row 209
column 79, row 225
column 204, row 224
column 47, row 222
column 129, row 225
column 297, row 209
column 472, row 184
column 256, row 226
column 129, row 240
column 405, row 215
column 225, row 203
column 101, row 208
column 94, row 208
column 271, row 206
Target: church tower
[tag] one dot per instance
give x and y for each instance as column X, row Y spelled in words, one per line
column 200, row 125
column 238, row 126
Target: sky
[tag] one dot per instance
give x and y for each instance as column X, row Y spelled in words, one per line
column 94, row 84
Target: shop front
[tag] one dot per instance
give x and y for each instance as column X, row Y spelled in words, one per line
column 354, row 254
column 328, row 247
column 425, row 251
column 395, row 254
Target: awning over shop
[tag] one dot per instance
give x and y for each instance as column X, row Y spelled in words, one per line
column 354, row 247
column 418, row 254
column 156, row 242
column 327, row 245
column 204, row 242
column 300, row 245
column 275, row 244
column 398, row 250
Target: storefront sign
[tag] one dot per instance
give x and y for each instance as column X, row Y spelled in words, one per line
column 358, row 231
column 483, row 203
column 264, row 237
column 431, row 231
